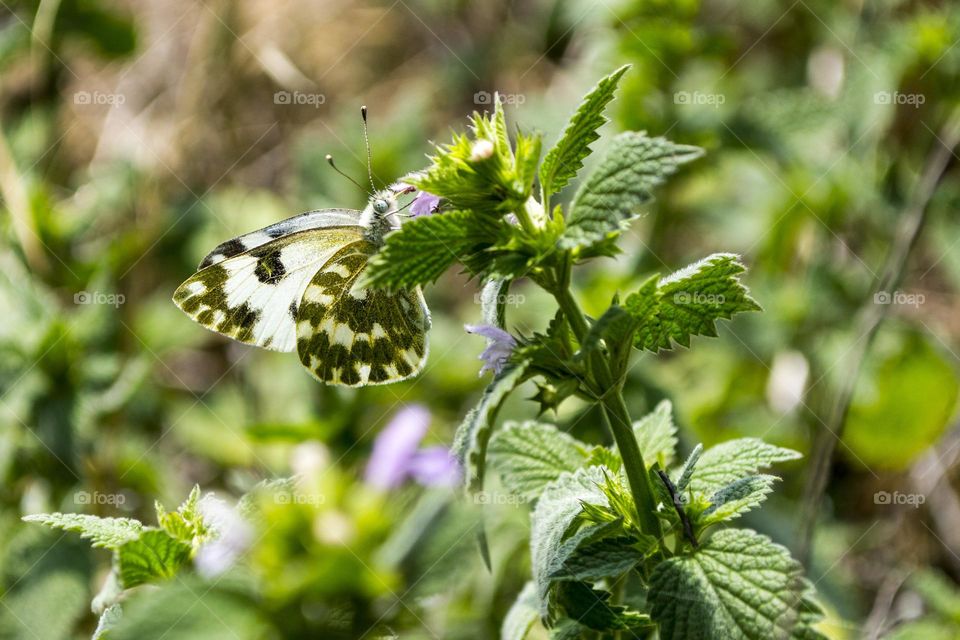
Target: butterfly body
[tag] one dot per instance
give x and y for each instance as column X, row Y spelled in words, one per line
column 294, row 285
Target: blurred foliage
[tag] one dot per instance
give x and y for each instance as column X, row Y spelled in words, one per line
column 135, row 136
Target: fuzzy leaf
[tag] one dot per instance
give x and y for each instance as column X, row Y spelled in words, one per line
column 689, row 302
column 592, row 608
column 612, row 333
column 737, row 498
column 604, row 558
column 531, row 455
column 609, row 197
column 472, row 436
column 657, row 435
column 688, row 468
column 108, row 533
column 153, row 557
column 556, row 510
column 738, row 586
column 565, row 158
column 423, row 248
column 733, row 460
column 522, row 614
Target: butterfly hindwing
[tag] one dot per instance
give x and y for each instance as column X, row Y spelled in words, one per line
column 352, row 336
column 253, row 296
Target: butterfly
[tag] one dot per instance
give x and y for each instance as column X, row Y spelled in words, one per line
column 296, row 285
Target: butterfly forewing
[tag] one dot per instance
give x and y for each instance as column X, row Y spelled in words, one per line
column 352, row 336
column 253, row 296
column 304, row 222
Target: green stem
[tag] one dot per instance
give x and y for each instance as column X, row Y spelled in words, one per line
column 615, row 413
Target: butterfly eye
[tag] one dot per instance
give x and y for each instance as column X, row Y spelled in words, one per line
column 381, row 206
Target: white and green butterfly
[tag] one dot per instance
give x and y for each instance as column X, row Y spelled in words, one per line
column 295, row 285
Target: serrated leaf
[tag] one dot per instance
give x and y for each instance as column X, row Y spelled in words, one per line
column 737, row 498
column 592, row 608
column 556, row 510
column 604, row 558
column 530, row 455
column 565, row 158
column 522, row 615
column 472, row 436
column 689, row 302
column 738, row 586
column 734, row 459
column 423, row 248
column 153, row 557
column 688, row 468
column 656, row 435
column 108, row 533
column 610, row 196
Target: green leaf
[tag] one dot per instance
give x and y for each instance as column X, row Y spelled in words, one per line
column 610, row 196
column 688, row 468
column 735, row 459
column 657, row 435
column 565, row 158
column 689, row 302
column 738, row 586
column 592, row 608
column 108, row 533
column 612, row 333
column 108, row 620
column 530, row 455
column 472, row 436
column 604, row 558
column 556, row 511
column 153, row 557
column 423, row 248
column 522, row 615
column 737, row 498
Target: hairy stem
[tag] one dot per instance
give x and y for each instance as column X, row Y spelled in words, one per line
column 615, row 414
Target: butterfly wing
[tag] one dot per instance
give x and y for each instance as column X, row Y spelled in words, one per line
column 318, row 219
column 350, row 336
column 253, row 295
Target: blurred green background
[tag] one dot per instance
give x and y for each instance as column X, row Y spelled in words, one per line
column 138, row 135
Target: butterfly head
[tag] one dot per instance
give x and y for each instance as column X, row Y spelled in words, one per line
column 380, row 216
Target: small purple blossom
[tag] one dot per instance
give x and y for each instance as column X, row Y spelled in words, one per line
column 232, row 536
column 397, row 455
column 500, row 345
column 424, row 204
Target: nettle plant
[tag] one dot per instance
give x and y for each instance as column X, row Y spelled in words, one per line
column 623, row 541
column 621, row 538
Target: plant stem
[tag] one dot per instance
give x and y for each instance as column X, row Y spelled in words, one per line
column 615, row 413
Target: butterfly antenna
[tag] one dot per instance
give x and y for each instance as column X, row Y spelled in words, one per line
column 366, row 143
column 337, row 169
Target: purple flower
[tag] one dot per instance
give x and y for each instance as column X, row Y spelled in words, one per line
column 499, row 346
column 435, row 467
column 397, row 455
column 424, row 204
column 231, row 537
